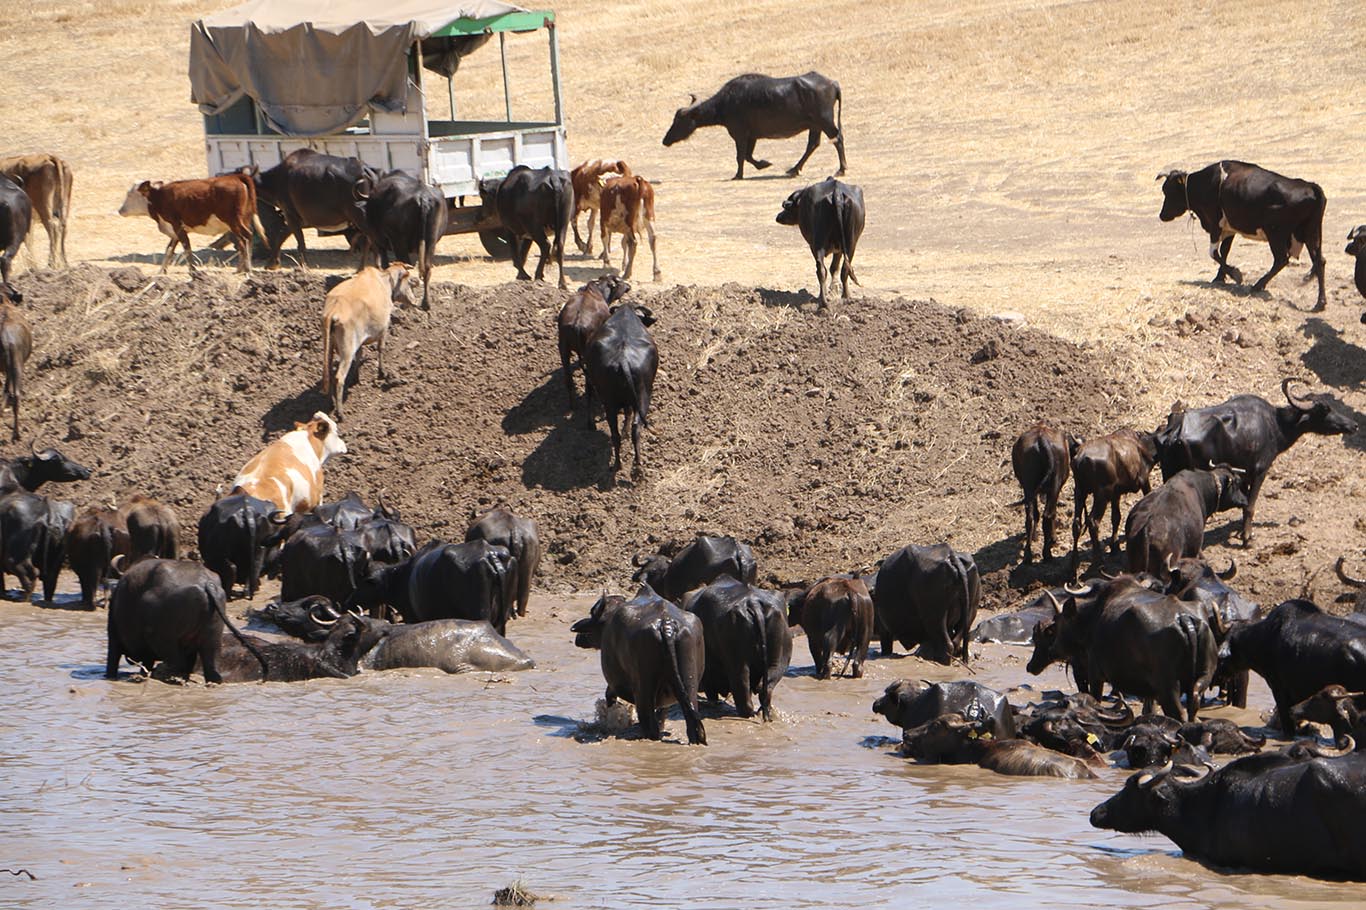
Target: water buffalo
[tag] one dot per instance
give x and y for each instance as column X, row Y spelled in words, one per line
column 753, row 107
column 619, row 367
column 1106, row 468
column 92, row 542
column 16, row 344
column 927, row 596
column 830, row 215
column 581, row 316
column 748, row 643
column 1017, row 626
column 652, row 656
column 16, row 215
column 837, row 615
column 1194, row 581
column 1042, row 461
column 323, row 560
column 1169, row 523
column 445, row 581
column 531, row 204
column 1356, row 248
column 29, row 472
column 907, row 704
column 153, row 529
column 336, row 656
column 406, row 217
column 521, row 537
column 699, row 563
column 233, row 534
column 952, row 739
column 1342, row 710
column 33, row 540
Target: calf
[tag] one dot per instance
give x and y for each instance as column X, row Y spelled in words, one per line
column 521, row 537
column 1106, row 468
column 16, row 215
column 628, row 207
column 927, row 596
column 209, row 205
column 701, row 562
column 33, row 540
column 232, row 540
column 1356, row 248
column 830, row 215
column 92, row 542
column 16, row 344
column 1169, row 523
column 586, row 180
column 619, row 364
column 531, row 204
column 356, row 313
column 46, row 180
column 289, row 471
column 581, row 316
column 837, row 614
column 153, row 529
column 747, row 641
column 406, row 218
column 1342, row 710
column 1042, row 460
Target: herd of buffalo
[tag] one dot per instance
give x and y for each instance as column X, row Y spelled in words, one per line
column 1169, row 630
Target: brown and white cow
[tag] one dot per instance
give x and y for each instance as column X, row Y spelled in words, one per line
column 210, row 205
column 628, row 207
column 587, row 180
column 46, row 180
column 289, row 471
column 356, row 313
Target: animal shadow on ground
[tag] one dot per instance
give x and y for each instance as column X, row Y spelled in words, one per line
column 571, row 456
column 794, row 299
column 286, row 412
column 204, row 256
column 1228, row 287
column 1335, row 361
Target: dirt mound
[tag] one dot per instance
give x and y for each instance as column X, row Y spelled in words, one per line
column 825, row 441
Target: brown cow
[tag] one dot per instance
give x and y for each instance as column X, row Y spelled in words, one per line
column 46, row 180
column 210, row 205
column 583, row 315
column 357, row 313
column 153, row 529
column 837, row 614
column 1042, row 458
column 16, row 343
column 1107, row 467
column 627, row 207
column 587, row 182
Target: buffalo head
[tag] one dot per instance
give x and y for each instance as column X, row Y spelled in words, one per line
column 1316, row 416
column 1175, row 195
column 650, row 569
column 685, row 123
column 788, row 214
column 1356, row 241
column 1148, row 799
column 53, row 466
column 943, row 739
column 588, row 631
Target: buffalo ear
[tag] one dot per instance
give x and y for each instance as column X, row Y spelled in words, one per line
column 1069, row 608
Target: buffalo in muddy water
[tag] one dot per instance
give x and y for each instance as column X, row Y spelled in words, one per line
column 952, row 739
column 521, row 537
column 927, row 596
column 907, row 704
column 33, row 540
column 837, row 615
column 92, row 542
column 699, row 563
column 232, row 540
column 445, row 581
column 748, row 643
column 334, row 657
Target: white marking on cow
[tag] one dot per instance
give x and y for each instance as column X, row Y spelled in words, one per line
column 302, row 486
column 1231, row 231
column 133, row 204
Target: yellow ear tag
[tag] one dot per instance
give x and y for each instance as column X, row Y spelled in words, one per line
column 1093, row 739
column 986, row 736
column 972, row 734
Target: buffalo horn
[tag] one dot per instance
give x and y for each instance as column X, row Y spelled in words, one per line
column 1171, row 562
column 1285, row 387
column 1108, row 575
column 1217, row 621
column 692, row 99
column 315, row 611
column 1345, row 745
column 638, row 560
column 1229, row 573
column 1057, row 607
column 1078, row 591
column 1347, row 579
column 278, row 517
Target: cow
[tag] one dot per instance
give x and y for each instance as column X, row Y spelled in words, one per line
column 29, row 472
column 830, row 215
column 699, row 563
column 33, row 540
column 406, row 218
column 1042, row 461
column 1246, row 432
column 581, row 316
column 311, row 189
column 322, row 560
column 1233, row 198
column 1298, row 649
column 521, row 537
column 927, row 596
column 1356, row 248
column 837, row 615
column 153, row 529
column 628, row 207
column 232, row 540
column 952, row 739
column 356, row 313
column 753, row 107
column 586, row 179
column 16, row 216
column 652, row 656
column 16, row 344
column 94, row 539
column 170, row 611
column 1169, row 523
column 1106, row 468
column 909, row 704
column 531, row 204
column 747, row 641
column 1299, row 812
column 619, row 366
column 208, row 205
column 46, row 180
column 336, row 656
column 289, row 471
column 444, row 581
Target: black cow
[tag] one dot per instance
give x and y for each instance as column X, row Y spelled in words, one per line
column 233, row 535
column 33, row 540
column 1302, row 811
column 830, row 215
column 16, row 344
column 748, row 643
column 347, row 513
column 1298, row 649
column 1356, row 248
column 521, row 538
column 652, row 656
column 619, row 366
column 336, row 656
column 445, row 581
column 1169, row 523
column 388, row 540
column 153, row 528
column 699, row 563
column 323, row 560
column 581, row 316
column 1245, row 432
column 753, row 107
column 909, row 704
column 92, row 542
column 837, row 615
column 406, row 218
column 1193, row 580
column 1042, row 461
column 927, row 596
column 531, row 204
column 1233, row 198
column 29, row 472
column 16, row 214
column 310, row 189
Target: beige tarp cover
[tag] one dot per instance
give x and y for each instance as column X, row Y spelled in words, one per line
column 316, row 67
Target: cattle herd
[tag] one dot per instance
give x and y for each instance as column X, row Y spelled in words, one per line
column 1168, row 631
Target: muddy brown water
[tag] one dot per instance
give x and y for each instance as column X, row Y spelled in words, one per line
column 417, row 789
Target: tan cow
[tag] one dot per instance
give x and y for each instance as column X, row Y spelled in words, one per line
column 289, row 471
column 46, row 180
column 356, row 313
column 587, row 182
column 628, row 207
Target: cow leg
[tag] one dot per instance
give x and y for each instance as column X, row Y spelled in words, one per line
column 654, row 253
column 1031, row 516
column 348, row 356
column 739, row 688
column 1316, row 257
column 636, row 469
column 1253, row 492
column 1050, row 523
column 114, row 655
column 820, row 654
column 1078, row 514
column 1170, row 700
column 1192, row 701
column 1280, row 255
column 612, row 415
column 1114, row 523
column 28, row 578
column 836, row 258
column 12, row 397
column 578, row 239
column 813, row 139
column 742, row 154
column 296, row 227
column 650, row 721
column 821, row 278
column 165, row 257
column 1218, row 251
column 568, row 379
column 628, row 251
column 50, row 225
column 837, row 137
column 1093, row 519
column 521, row 248
column 544, row 247
column 380, row 374
column 558, row 251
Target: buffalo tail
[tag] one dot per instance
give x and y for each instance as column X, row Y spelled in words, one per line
column 668, row 635
column 757, row 615
column 237, row 633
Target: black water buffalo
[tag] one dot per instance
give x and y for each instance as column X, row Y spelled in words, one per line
column 619, row 366
column 581, row 316
column 1169, row 523
column 1342, row 710
column 92, row 542
column 16, row 344
column 1042, row 461
column 1194, row 581
column 310, row 189
column 1298, row 649
column 748, row 642
column 445, row 581
column 1294, row 812
column 170, row 611
column 1356, row 248
column 388, row 540
column 406, row 218
column 837, row 615
column 1233, row 198
column 33, row 540
column 521, row 537
column 830, row 215
column 347, row 513
column 952, row 739
column 232, row 540
column 335, row 656
column 1075, row 724
column 753, row 107
column 29, row 472
column 907, row 703
column 323, row 560
column 699, row 563
column 153, row 528
column 927, row 596
column 1017, row 626
column 1245, row 432
column 16, row 214
column 1106, row 468
column 531, row 204
column 652, row 656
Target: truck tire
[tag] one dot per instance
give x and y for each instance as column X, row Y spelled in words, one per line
column 496, row 245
